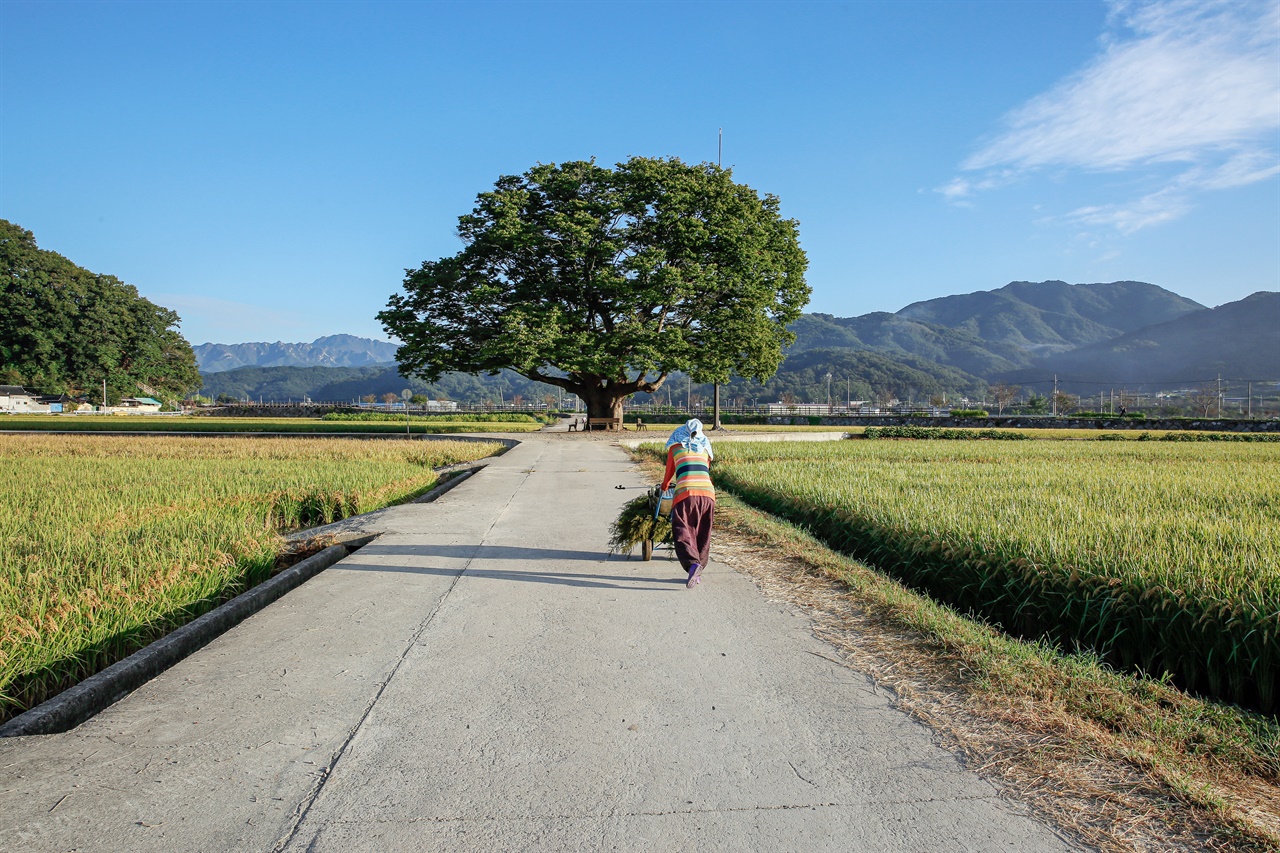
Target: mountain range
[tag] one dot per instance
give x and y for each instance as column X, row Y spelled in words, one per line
column 1238, row 340
column 331, row 351
column 1124, row 333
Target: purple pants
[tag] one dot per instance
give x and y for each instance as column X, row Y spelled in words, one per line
column 691, row 521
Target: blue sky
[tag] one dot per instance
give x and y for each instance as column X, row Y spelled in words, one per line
column 269, row 170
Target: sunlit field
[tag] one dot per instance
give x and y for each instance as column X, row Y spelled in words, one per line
column 110, row 542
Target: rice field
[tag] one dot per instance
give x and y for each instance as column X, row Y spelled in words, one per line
column 110, row 542
column 434, row 424
column 1162, row 557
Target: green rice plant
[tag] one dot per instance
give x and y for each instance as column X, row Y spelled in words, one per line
column 110, row 542
column 1156, row 556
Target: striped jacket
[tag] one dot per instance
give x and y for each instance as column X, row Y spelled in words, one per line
column 690, row 473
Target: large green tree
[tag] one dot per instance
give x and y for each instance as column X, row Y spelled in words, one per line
column 605, row 281
column 65, row 329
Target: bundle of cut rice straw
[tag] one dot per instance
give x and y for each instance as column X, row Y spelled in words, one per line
column 635, row 524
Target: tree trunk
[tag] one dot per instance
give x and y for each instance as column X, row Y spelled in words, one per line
column 602, row 402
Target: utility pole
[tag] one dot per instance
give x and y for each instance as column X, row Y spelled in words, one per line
column 1219, row 395
column 715, row 395
column 1055, row 395
column 1251, row 400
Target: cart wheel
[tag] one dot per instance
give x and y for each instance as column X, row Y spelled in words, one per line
column 646, row 550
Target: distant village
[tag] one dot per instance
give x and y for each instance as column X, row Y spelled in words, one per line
column 15, row 399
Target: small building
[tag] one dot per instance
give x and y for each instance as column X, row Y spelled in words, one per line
column 57, row 403
column 16, row 399
column 140, row 405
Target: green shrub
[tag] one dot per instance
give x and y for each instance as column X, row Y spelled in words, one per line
column 943, row 433
column 1220, row 436
column 455, row 418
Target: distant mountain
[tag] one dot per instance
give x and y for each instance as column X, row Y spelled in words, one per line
column 898, row 337
column 1053, row 316
column 331, row 351
column 1238, row 340
column 856, row 375
column 993, row 333
column 1127, row 333
column 348, row 384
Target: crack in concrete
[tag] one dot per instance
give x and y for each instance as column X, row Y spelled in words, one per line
column 303, row 807
column 799, row 776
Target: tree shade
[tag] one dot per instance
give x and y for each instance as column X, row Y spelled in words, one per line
column 605, row 281
column 65, row 329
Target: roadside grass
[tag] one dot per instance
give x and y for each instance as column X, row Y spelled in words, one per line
column 111, row 542
column 198, row 423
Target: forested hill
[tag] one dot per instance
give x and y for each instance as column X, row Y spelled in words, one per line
column 67, row 330
column 1049, row 316
column 1239, row 340
column 991, row 332
column 896, row 337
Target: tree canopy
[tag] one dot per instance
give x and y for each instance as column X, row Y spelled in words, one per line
column 605, row 281
column 66, row 329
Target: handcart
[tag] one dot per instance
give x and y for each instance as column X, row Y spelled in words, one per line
column 660, row 503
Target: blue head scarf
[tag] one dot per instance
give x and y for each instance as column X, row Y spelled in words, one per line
column 693, row 437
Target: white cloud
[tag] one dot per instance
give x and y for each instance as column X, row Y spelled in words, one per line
column 958, row 188
column 1192, row 83
column 1163, row 206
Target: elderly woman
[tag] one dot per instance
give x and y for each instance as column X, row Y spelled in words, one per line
column 693, row 504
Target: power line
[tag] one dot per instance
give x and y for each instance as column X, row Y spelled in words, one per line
column 1115, row 383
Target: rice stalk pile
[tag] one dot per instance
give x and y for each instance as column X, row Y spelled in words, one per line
column 636, row 523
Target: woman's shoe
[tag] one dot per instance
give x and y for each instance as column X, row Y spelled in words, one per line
column 695, row 572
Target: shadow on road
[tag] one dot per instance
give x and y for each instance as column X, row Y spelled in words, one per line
column 473, row 553
column 481, row 552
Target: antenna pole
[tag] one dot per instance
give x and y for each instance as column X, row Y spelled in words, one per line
column 715, row 397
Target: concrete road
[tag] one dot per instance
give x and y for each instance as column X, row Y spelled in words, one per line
column 485, row 677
